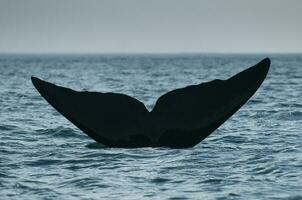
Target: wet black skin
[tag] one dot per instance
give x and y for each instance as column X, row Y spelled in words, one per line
column 180, row 118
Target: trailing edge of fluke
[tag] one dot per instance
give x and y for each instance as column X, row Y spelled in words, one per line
column 180, row 118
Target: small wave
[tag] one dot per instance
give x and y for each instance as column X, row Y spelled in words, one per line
column 42, row 162
column 160, row 180
column 8, row 127
column 291, row 116
column 233, row 195
column 61, row 132
column 21, row 186
column 178, row 198
column 296, row 197
column 77, row 161
column 255, row 101
column 234, row 139
column 96, row 145
column 84, row 183
column 296, row 115
column 268, row 170
column 2, row 175
column 212, row 180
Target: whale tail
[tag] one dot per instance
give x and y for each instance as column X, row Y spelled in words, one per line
column 180, row 118
column 192, row 113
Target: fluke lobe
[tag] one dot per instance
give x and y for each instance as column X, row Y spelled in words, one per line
column 180, row 118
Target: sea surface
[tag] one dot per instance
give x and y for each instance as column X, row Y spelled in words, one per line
column 256, row 154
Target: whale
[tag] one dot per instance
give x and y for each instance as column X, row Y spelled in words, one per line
column 181, row 118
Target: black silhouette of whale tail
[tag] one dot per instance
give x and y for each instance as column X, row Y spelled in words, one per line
column 180, row 118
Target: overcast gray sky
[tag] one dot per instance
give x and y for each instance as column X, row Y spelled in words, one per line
column 154, row 26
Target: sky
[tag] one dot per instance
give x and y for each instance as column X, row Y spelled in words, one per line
column 150, row 26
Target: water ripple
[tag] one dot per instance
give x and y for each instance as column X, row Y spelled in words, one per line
column 256, row 154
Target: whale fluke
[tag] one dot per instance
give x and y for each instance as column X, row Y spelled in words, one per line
column 180, row 118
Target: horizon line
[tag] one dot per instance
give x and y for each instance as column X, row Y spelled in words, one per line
column 142, row 53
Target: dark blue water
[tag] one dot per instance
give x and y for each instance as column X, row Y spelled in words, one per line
column 256, row 154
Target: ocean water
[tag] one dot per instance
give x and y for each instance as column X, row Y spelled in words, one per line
column 256, row 154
